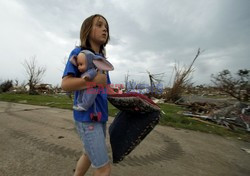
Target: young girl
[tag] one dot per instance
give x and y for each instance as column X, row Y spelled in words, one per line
column 89, row 68
column 94, row 36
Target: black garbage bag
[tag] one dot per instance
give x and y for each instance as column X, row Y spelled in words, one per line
column 128, row 129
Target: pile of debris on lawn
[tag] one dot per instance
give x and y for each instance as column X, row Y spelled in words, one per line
column 229, row 114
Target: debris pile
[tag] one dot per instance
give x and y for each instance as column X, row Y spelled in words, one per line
column 230, row 116
column 237, row 115
column 201, row 107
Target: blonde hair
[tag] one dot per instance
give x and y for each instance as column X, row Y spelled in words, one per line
column 85, row 32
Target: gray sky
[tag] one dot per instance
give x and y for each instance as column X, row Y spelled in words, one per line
column 145, row 35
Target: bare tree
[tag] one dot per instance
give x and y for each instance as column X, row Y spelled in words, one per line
column 237, row 86
column 126, row 81
column 155, row 84
column 34, row 72
column 131, row 85
column 181, row 80
column 16, row 82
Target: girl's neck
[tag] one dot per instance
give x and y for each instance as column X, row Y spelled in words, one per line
column 95, row 47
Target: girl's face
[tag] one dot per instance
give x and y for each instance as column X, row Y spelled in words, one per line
column 81, row 64
column 99, row 32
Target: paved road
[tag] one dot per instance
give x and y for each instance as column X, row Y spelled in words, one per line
column 41, row 141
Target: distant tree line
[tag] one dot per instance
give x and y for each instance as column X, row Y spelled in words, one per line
column 236, row 86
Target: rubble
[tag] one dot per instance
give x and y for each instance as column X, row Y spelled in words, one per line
column 246, row 150
column 231, row 116
column 156, row 100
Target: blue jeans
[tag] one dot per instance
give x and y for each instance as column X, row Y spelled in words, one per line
column 93, row 136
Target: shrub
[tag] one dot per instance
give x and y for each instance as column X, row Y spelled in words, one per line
column 6, row 86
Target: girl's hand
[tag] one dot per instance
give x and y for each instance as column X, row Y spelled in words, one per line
column 100, row 79
column 111, row 91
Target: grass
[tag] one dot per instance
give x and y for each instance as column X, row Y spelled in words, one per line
column 112, row 110
column 173, row 114
column 59, row 101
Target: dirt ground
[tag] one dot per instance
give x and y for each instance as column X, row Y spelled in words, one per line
column 41, row 141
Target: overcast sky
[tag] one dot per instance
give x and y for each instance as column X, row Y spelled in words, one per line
column 145, row 35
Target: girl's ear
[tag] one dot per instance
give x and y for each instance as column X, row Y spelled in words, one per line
column 73, row 60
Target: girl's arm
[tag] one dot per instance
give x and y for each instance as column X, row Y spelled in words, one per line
column 71, row 83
